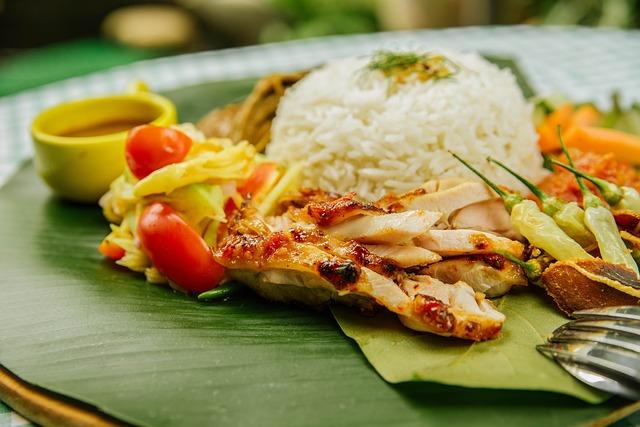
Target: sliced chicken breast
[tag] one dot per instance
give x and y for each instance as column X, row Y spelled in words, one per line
column 445, row 201
column 405, row 256
column 393, row 228
column 332, row 212
column 488, row 215
column 450, row 310
column 492, row 275
column 302, row 264
column 466, row 242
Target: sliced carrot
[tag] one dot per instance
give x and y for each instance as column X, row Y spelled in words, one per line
column 586, row 115
column 547, row 131
column 111, row 250
column 622, row 145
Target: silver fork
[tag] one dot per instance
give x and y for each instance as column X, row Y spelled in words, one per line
column 601, row 348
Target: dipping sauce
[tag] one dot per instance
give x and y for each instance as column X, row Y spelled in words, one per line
column 104, row 128
column 79, row 145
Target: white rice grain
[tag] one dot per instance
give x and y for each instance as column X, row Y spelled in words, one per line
column 355, row 134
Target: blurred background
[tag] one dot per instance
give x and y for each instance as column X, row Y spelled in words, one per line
column 47, row 40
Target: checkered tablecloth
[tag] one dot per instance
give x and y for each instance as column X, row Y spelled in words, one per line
column 583, row 64
column 8, row 418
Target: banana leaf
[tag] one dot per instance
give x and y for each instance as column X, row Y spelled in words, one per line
column 75, row 324
column 509, row 362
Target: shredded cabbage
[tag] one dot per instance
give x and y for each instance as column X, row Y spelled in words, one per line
column 198, row 204
column 232, row 163
column 119, row 199
column 197, row 188
column 123, row 236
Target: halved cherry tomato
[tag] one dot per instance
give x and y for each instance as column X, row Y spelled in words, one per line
column 151, row 147
column 263, row 176
column 111, row 250
column 176, row 250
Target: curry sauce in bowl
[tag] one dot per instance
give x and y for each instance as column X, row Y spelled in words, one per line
column 79, row 145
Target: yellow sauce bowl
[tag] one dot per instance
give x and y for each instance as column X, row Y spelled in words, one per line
column 79, row 145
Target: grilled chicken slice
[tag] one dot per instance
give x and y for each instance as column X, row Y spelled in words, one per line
column 405, row 256
column 492, row 275
column 388, row 228
column 467, row 242
column 444, row 196
column 305, row 197
column 337, row 211
column 285, row 258
column 303, row 264
column 347, row 218
column 450, row 310
column 488, row 215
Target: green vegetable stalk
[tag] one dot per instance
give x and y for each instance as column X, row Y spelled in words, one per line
column 569, row 216
column 618, row 197
column 599, row 220
column 537, row 227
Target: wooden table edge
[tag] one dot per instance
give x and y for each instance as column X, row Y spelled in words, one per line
column 46, row 408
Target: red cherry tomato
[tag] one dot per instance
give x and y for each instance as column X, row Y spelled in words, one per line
column 262, row 175
column 152, row 147
column 111, row 250
column 176, row 250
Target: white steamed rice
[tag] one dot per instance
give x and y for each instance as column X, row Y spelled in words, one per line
column 355, row 134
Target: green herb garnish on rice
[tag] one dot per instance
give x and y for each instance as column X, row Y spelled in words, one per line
column 401, row 65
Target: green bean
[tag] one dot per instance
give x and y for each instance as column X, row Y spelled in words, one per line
column 219, row 292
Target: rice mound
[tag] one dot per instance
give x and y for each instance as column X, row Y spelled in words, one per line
column 358, row 131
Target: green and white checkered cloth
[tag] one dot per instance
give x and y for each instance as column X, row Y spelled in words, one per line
column 8, row 418
column 581, row 63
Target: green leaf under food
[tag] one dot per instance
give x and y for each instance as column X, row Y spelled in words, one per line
column 76, row 324
column 509, row 362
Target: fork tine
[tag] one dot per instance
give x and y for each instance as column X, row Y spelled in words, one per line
column 601, row 380
column 623, row 312
column 614, row 361
column 621, row 340
column 630, row 327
